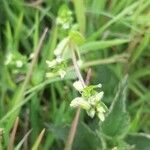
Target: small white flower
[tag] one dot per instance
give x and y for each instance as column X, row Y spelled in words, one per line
column 31, row 56
column 95, row 98
column 51, row 63
column 91, row 113
column 99, row 85
column 101, row 109
column 66, row 25
column 59, row 20
column 19, row 63
column 90, row 100
column 80, row 102
column 99, row 96
column 59, row 49
column 78, row 85
column 101, row 116
column 62, row 73
column 8, row 58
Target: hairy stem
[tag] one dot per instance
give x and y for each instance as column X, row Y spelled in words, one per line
column 75, row 121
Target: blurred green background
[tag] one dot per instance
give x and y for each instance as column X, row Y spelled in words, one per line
column 117, row 37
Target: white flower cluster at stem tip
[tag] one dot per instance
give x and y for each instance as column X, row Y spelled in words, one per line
column 90, row 100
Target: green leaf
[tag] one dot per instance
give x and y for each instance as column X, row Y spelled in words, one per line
column 117, row 121
column 119, row 16
column 80, row 14
column 99, row 45
column 140, row 49
column 58, row 131
column 63, row 11
column 38, row 140
column 86, row 139
column 134, row 125
column 38, row 76
column 19, row 145
column 139, row 141
column 77, row 37
column 83, row 135
column 98, row 6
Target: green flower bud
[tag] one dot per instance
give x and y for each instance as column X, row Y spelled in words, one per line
column 80, row 102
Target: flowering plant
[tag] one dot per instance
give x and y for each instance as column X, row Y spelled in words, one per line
column 57, row 66
column 90, row 100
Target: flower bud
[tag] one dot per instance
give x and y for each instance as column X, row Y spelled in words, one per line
column 51, row 63
column 101, row 116
column 19, row 63
column 100, row 109
column 78, row 85
column 91, row 113
column 80, row 102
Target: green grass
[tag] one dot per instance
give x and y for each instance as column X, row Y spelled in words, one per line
column 117, row 37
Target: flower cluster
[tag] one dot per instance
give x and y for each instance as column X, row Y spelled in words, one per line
column 90, row 100
column 16, row 62
column 57, row 67
column 64, row 19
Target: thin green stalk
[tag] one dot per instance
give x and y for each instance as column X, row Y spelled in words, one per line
column 117, row 58
column 13, row 134
column 20, row 96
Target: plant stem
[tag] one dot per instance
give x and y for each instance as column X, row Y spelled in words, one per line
column 76, row 67
column 75, row 121
column 13, row 134
column 72, row 131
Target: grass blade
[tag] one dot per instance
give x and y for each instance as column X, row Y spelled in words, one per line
column 96, row 45
column 39, row 139
column 18, row 147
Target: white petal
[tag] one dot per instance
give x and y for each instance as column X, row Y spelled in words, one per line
column 91, row 113
column 51, row 63
column 95, row 98
column 78, row 85
column 92, row 100
column 59, row 49
column 101, row 116
column 99, row 85
column 80, row 102
column 19, row 63
column 101, row 109
column 62, row 73
column 31, row 56
column 99, row 96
